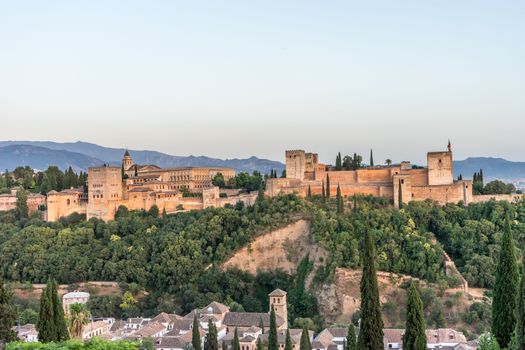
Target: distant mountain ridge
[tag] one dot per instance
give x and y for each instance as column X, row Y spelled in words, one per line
column 493, row 168
column 81, row 155
column 40, row 158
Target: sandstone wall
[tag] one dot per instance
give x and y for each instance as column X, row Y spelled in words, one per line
column 498, row 197
column 454, row 193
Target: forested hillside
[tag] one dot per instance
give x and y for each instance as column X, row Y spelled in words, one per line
column 175, row 258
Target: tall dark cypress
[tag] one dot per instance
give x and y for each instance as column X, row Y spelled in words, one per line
column 520, row 312
column 371, row 158
column 259, row 344
column 309, row 193
column 46, row 325
column 7, row 314
column 338, row 162
column 305, row 340
column 195, row 334
column 505, row 290
column 400, row 195
column 327, row 186
column 351, row 341
column 288, row 341
column 414, row 337
column 261, row 325
column 62, row 332
column 339, row 200
column 323, row 191
column 211, row 343
column 371, row 327
column 236, row 345
column 273, row 343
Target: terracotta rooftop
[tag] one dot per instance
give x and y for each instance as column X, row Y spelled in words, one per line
column 278, row 293
column 247, row 319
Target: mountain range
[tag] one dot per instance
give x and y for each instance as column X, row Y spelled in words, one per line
column 81, row 155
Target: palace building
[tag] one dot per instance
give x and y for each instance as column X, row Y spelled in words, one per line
column 140, row 187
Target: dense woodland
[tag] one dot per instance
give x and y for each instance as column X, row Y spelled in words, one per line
column 175, row 257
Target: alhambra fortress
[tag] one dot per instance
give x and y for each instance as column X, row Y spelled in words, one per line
column 144, row 186
column 398, row 182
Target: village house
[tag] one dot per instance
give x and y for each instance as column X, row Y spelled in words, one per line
column 75, row 297
column 96, row 329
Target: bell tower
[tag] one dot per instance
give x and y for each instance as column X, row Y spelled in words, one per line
column 127, row 162
column 278, row 301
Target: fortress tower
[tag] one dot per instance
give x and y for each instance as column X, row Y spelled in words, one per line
column 295, row 164
column 127, row 162
column 278, row 301
column 104, row 191
column 440, row 167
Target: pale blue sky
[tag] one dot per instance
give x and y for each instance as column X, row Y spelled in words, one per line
column 240, row 78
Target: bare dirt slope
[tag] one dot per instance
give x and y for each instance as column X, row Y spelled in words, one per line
column 281, row 249
column 33, row 291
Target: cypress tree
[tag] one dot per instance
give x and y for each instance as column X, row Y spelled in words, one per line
column 400, row 196
column 338, row 162
column 481, row 175
column 210, row 342
column 309, row 193
column 259, row 344
column 414, row 337
column 351, row 341
column 327, row 186
column 288, row 341
column 46, row 326
column 323, row 192
column 371, row 330
column 7, row 315
column 371, row 158
column 236, row 345
column 272, row 333
column 22, row 210
column 505, row 290
column 261, row 325
column 59, row 319
column 195, row 334
column 520, row 312
column 305, row 340
column 224, row 346
column 339, row 200
column 260, row 194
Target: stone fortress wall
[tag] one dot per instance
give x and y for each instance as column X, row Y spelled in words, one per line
column 147, row 185
column 398, row 181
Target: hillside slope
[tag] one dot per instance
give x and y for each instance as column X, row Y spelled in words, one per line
column 339, row 298
column 281, row 249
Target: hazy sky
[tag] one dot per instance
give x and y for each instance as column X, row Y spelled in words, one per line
column 240, row 78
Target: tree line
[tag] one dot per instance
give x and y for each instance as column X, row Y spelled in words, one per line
column 42, row 181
